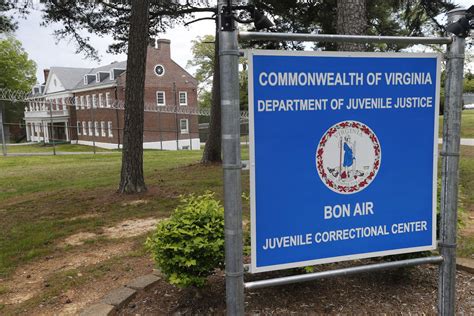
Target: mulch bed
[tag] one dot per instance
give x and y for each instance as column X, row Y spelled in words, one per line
column 409, row 290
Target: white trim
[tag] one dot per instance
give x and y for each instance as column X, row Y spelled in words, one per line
column 185, row 98
column 164, row 70
column 185, row 130
column 101, row 100
column 184, row 144
column 164, row 98
column 102, row 129
column 110, row 129
column 107, row 100
column 95, row 87
column 78, row 126
column 249, row 54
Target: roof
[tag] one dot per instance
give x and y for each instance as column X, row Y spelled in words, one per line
column 80, row 84
column 69, row 76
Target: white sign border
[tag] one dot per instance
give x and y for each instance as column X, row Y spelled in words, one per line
column 255, row 52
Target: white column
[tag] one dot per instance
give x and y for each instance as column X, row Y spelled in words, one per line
column 28, row 138
column 67, row 131
column 45, row 133
column 36, row 127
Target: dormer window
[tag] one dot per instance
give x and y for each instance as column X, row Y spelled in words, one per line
column 115, row 72
column 88, row 79
column 101, row 76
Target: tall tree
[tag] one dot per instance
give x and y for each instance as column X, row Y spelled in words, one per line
column 132, row 179
column 7, row 24
column 18, row 73
column 111, row 17
column 351, row 20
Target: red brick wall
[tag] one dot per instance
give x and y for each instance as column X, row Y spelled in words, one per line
column 157, row 127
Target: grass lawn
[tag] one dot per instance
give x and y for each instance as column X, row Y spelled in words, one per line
column 44, row 199
column 466, row 173
column 41, row 148
column 467, row 124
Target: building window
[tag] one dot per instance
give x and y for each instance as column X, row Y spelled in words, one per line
column 96, row 128
column 183, row 98
column 78, row 128
column 94, row 101
column 159, row 70
column 88, row 101
column 90, row 128
column 107, row 99
column 76, row 101
column 183, row 125
column 160, row 98
column 102, row 129
column 84, row 128
column 82, row 102
column 109, row 125
column 101, row 100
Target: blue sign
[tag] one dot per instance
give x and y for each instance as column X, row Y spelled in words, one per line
column 343, row 156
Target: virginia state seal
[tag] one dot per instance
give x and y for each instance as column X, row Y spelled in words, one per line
column 348, row 157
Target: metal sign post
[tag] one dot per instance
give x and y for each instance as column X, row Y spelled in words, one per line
column 229, row 82
column 450, row 154
column 450, row 169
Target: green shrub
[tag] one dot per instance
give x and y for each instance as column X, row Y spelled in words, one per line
column 189, row 246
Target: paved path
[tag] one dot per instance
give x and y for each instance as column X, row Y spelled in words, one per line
column 464, row 141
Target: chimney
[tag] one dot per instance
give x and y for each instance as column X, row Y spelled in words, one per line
column 164, row 47
column 152, row 42
column 46, row 74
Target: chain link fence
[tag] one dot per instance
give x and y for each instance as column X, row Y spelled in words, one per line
column 34, row 125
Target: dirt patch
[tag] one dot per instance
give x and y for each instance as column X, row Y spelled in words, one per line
column 125, row 229
column 85, row 216
column 71, row 302
column 135, row 203
column 29, row 280
column 407, row 291
column 79, row 239
column 131, row 228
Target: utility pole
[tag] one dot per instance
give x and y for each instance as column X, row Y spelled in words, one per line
column 450, row 169
column 229, row 87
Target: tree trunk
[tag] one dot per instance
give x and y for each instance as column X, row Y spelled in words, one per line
column 351, row 20
column 131, row 178
column 212, row 150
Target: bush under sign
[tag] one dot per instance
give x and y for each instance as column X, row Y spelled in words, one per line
column 343, row 155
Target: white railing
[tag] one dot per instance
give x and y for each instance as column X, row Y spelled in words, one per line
column 46, row 114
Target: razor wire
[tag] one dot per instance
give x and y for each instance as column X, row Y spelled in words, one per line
column 38, row 103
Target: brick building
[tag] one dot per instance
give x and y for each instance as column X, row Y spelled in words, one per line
column 85, row 105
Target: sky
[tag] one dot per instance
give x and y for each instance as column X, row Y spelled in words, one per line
column 47, row 51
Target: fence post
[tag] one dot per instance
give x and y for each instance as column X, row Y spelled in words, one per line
column 159, row 126
column 229, row 85
column 450, row 169
column 93, row 125
column 52, row 126
column 2, row 131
